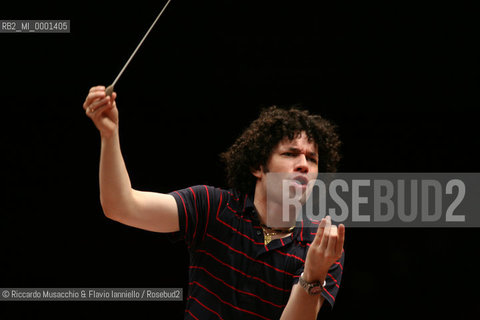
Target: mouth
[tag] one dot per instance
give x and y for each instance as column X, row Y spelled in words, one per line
column 301, row 181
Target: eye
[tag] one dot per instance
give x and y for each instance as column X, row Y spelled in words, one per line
column 289, row 154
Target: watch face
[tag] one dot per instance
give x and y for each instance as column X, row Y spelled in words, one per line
column 315, row 290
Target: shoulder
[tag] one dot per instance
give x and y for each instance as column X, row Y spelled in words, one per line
column 211, row 195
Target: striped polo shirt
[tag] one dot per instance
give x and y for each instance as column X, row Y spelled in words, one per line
column 233, row 274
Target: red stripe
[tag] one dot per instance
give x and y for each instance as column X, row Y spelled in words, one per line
column 227, row 303
column 244, row 219
column 233, row 196
column 228, row 206
column 290, row 255
column 185, row 210
column 196, row 213
column 238, row 215
column 335, row 280
column 208, row 211
column 339, row 264
column 248, row 257
column 281, row 240
column 235, row 289
column 205, row 306
column 240, row 233
column 301, row 233
column 191, row 314
column 241, row 272
column 219, row 204
column 325, row 290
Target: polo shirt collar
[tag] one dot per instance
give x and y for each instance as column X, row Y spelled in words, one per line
column 301, row 233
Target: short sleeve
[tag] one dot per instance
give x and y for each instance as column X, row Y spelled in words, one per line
column 195, row 205
column 333, row 280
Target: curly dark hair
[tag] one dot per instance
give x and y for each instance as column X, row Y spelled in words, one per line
column 254, row 147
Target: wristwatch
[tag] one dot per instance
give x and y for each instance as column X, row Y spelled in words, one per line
column 312, row 288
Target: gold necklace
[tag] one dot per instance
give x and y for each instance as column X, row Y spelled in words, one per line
column 267, row 235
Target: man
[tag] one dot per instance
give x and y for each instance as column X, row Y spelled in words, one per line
column 241, row 267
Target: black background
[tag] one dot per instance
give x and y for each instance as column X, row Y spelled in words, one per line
column 399, row 79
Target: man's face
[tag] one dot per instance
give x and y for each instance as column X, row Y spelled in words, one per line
column 290, row 168
column 294, row 160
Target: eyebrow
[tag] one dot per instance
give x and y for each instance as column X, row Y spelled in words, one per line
column 297, row 150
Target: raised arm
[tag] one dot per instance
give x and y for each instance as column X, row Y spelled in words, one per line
column 145, row 210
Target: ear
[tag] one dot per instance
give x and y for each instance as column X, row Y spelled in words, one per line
column 258, row 173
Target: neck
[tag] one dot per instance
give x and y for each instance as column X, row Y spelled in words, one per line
column 267, row 219
column 260, row 203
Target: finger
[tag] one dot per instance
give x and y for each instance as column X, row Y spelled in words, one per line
column 318, row 236
column 96, row 114
column 98, row 104
column 326, row 234
column 340, row 239
column 92, row 97
column 97, row 88
column 333, row 231
column 332, row 240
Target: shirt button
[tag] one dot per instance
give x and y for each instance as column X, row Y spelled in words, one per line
column 259, row 232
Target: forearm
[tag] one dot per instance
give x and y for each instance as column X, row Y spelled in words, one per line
column 325, row 249
column 301, row 305
column 115, row 187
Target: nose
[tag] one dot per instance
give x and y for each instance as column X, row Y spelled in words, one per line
column 302, row 164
